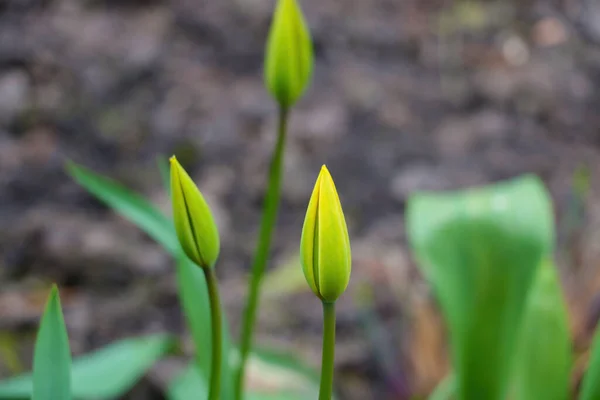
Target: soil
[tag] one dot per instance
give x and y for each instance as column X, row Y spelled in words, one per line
column 407, row 95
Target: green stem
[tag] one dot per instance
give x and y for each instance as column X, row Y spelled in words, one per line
column 267, row 223
column 327, row 360
column 216, row 324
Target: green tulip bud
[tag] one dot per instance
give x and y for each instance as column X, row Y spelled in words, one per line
column 194, row 224
column 289, row 56
column 325, row 246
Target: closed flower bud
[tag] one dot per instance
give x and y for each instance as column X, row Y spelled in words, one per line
column 325, row 245
column 289, row 55
column 194, row 224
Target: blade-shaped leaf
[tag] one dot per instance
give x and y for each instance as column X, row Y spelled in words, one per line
column 52, row 354
column 274, row 375
column 105, row 373
column 445, row 390
column 543, row 361
column 192, row 288
column 131, row 205
column 590, row 386
column 479, row 249
column 188, row 385
column 271, row 376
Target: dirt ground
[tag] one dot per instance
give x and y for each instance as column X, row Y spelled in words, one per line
column 407, row 95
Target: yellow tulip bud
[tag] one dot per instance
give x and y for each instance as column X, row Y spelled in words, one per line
column 194, row 224
column 325, row 246
column 289, row 55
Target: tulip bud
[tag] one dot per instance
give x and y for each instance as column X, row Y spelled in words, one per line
column 325, row 246
column 194, row 224
column 289, row 55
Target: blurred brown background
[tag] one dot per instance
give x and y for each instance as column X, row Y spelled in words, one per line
column 407, row 95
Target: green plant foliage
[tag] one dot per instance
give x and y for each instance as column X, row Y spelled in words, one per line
column 289, row 55
column 543, row 357
column 445, row 390
column 590, row 386
column 52, row 355
column 131, row 205
column 192, row 289
column 189, row 384
column 281, row 378
column 196, row 307
column 480, row 249
column 103, row 374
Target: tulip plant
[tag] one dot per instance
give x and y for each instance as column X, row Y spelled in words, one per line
column 326, row 258
column 487, row 254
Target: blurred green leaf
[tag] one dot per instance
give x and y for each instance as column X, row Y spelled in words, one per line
column 105, row 373
column 543, row 361
column 129, row 204
column 284, row 280
column 52, row 354
column 582, row 181
column 445, row 390
column 192, row 289
column 287, row 362
column 9, row 354
column 271, row 376
column 590, row 386
column 188, row 385
column 479, row 249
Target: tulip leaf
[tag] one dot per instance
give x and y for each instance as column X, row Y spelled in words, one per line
column 270, row 375
column 480, row 249
column 192, row 290
column 590, row 386
column 130, row 205
column 189, row 384
column 103, row 374
column 543, row 357
column 445, row 390
column 52, row 355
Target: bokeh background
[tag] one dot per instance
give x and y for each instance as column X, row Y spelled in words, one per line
column 407, row 95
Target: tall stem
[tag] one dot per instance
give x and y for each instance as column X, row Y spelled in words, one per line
column 216, row 324
column 267, row 223
column 327, row 359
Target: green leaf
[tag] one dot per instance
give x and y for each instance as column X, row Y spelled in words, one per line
column 445, row 390
column 543, row 361
column 271, row 376
column 131, row 205
column 590, row 387
column 103, row 374
column 52, row 355
column 479, row 249
column 188, row 385
column 284, row 280
column 192, row 290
